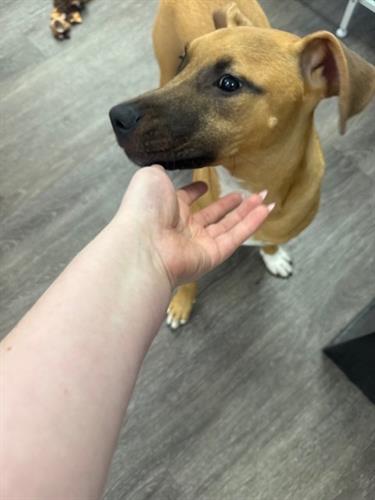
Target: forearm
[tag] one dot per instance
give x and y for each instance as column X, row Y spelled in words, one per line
column 69, row 367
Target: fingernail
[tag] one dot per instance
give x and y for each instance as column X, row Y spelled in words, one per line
column 271, row 207
column 263, row 194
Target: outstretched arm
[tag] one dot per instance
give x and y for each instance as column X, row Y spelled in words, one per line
column 69, row 367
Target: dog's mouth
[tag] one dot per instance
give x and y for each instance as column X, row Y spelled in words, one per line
column 170, row 160
column 186, row 163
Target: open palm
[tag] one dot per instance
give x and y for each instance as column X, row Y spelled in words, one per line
column 190, row 244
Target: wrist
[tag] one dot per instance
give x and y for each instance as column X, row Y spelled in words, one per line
column 132, row 246
column 126, row 289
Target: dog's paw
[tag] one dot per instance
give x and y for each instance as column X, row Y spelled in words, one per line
column 178, row 313
column 279, row 264
column 179, row 309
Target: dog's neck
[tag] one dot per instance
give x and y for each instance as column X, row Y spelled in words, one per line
column 276, row 167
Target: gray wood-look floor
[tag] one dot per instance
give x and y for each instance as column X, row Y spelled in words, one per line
column 240, row 404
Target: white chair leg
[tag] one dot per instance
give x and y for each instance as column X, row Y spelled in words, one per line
column 342, row 31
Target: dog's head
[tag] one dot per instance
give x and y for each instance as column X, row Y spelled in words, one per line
column 240, row 88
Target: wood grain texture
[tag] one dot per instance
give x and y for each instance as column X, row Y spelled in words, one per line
column 240, row 404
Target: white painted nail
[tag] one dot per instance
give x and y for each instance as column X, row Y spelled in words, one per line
column 263, row 194
column 271, row 207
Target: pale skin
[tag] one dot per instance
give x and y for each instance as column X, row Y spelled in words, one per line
column 69, row 366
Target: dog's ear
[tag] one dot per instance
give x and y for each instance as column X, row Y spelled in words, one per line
column 329, row 66
column 230, row 17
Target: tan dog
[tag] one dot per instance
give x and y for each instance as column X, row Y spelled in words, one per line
column 240, row 96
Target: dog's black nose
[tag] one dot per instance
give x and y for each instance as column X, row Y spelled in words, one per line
column 124, row 118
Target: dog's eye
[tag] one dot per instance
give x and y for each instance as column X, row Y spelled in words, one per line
column 229, row 83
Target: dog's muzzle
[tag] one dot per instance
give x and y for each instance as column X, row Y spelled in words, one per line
column 147, row 140
column 124, row 119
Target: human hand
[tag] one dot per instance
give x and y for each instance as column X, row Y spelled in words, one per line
column 183, row 244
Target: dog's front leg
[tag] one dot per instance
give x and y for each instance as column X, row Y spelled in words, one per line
column 277, row 261
column 182, row 303
column 179, row 309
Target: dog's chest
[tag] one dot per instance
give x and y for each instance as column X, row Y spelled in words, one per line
column 229, row 184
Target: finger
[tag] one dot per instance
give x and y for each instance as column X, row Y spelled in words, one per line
column 218, row 210
column 192, row 192
column 156, row 166
column 230, row 240
column 235, row 216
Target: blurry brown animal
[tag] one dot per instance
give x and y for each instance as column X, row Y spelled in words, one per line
column 64, row 14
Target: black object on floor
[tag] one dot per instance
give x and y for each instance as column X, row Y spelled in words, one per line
column 353, row 351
